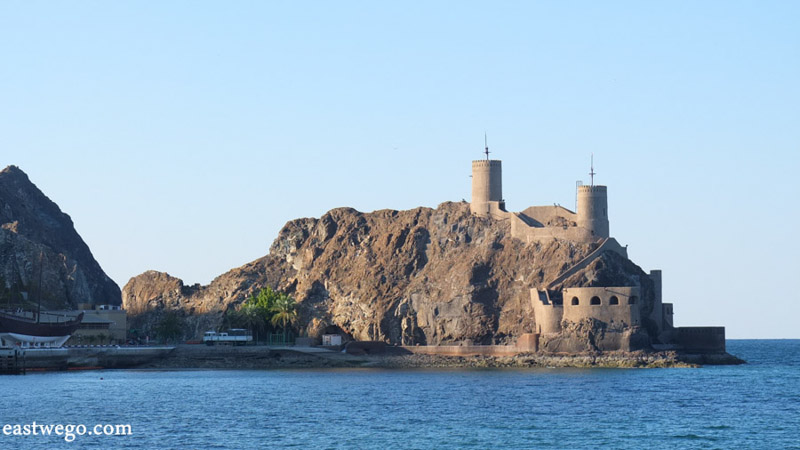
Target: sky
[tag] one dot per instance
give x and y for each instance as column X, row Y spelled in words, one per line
column 181, row 136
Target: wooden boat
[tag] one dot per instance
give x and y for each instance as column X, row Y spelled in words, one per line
column 19, row 330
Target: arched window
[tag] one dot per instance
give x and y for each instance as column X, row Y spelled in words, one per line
column 575, row 301
column 632, row 300
column 595, row 300
column 613, row 300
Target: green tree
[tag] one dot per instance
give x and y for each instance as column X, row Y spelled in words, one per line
column 284, row 312
column 253, row 318
column 255, row 313
column 170, row 327
column 264, row 300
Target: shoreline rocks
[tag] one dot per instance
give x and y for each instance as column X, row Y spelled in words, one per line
column 187, row 357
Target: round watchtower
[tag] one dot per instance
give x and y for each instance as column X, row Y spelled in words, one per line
column 593, row 210
column 487, row 185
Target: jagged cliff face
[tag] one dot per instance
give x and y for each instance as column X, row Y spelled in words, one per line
column 33, row 227
column 423, row 276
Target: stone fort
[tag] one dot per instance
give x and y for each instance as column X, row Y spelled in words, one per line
column 615, row 308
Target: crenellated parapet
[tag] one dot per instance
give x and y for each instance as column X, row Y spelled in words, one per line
column 597, row 189
column 486, row 163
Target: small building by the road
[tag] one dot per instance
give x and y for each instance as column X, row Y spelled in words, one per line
column 331, row 339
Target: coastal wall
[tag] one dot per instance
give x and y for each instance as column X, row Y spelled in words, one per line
column 546, row 314
column 465, row 350
column 105, row 357
column 667, row 314
column 11, row 361
column 527, row 343
column 657, row 314
column 617, row 305
column 701, row 339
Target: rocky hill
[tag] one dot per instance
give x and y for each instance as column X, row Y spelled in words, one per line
column 422, row 276
column 33, row 229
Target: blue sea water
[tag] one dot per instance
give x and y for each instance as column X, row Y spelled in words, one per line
column 756, row 405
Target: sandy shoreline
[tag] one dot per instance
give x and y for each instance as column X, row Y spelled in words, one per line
column 261, row 357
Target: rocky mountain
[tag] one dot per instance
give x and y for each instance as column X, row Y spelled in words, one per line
column 422, row 276
column 34, row 229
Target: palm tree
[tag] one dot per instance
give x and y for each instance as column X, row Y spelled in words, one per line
column 285, row 313
column 252, row 318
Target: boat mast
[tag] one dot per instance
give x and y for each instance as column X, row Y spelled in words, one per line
column 39, row 292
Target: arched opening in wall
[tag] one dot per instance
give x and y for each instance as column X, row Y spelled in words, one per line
column 613, row 300
column 575, row 301
column 595, row 300
column 632, row 300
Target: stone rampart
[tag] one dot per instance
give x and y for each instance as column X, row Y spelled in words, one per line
column 546, row 314
column 612, row 305
column 527, row 343
column 657, row 314
column 521, row 230
column 701, row 339
column 465, row 350
column 550, row 215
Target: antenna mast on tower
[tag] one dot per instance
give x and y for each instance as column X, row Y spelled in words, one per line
column 591, row 170
column 486, row 145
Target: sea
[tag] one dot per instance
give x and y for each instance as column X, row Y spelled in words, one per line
column 756, row 405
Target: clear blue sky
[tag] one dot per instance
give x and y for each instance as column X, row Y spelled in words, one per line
column 182, row 135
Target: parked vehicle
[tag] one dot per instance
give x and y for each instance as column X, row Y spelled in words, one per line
column 234, row 336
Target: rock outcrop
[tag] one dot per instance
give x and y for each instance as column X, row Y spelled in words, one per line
column 422, row 276
column 33, row 229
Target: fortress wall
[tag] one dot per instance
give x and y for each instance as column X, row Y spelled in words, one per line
column 546, row 315
column 545, row 214
column 498, row 210
column 701, row 339
column 518, row 227
column 623, row 312
column 540, row 223
column 469, row 350
column 528, row 342
column 667, row 315
column 495, row 210
column 657, row 315
column 528, row 234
